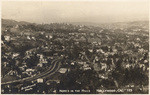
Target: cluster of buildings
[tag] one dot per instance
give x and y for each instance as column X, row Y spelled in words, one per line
column 80, row 47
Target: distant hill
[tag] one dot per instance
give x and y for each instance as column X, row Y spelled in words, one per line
column 115, row 24
column 85, row 23
column 133, row 23
column 8, row 22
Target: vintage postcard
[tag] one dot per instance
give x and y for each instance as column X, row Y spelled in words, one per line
column 75, row 47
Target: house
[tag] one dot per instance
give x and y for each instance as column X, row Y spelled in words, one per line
column 103, row 76
column 141, row 50
column 91, row 34
column 145, row 61
column 55, row 54
column 138, row 39
column 28, row 38
column 96, row 58
column 81, row 63
column 7, row 38
column 103, row 66
column 71, row 33
column 96, row 67
column 52, row 81
column 101, row 51
column 40, row 80
column 101, row 31
column 17, row 26
column 22, row 68
column 86, row 66
column 142, row 66
column 40, row 65
column 114, row 50
column 15, row 55
column 72, row 63
column 90, row 50
column 12, row 73
column 2, row 43
column 43, row 60
column 49, row 36
column 78, row 82
column 63, row 70
column 127, row 66
column 40, row 55
column 29, row 72
column 5, row 64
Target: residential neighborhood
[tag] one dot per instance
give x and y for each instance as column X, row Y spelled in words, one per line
column 64, row 58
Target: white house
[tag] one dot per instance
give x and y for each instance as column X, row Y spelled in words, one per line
column 40, row 80
column 7, row 38
column 63, row 70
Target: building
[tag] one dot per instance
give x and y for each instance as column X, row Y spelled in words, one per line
column 63, row 70
column 29, row 72
column 40, row 80
column 7, row 38
column 40, row 65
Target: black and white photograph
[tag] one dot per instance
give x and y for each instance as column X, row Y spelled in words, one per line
column 75, row 47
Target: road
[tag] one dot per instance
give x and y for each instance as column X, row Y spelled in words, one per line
column 53, row 69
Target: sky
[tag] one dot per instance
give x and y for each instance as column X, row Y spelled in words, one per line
column 102, row 11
